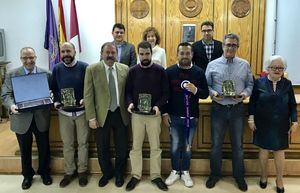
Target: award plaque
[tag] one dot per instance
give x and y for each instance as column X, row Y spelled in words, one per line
column 68, row 100
column 228, row 89
column 144, row 105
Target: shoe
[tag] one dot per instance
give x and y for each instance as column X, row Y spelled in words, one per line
column 104, row 181
column 26, row 184
column 119, row 181
column 68, row 178
column 242, row 185
column 47, row 180
column 132, row 184
column 82, row 179
column 185, row 176
column 211, row 181
column 263, row 185
column 279, row 190
column 160, row 184
column 173, row 177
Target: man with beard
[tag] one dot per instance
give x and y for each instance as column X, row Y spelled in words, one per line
column 187, row 85
column 67, row 87
column 146, row 90
column 227, row 110
column 207, row 49
column 25, row 124
column 104, row 96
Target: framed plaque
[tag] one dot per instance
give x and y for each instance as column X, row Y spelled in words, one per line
column 144, row 105
column 228, row 89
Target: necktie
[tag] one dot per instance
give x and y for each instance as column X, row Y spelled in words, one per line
column 112, row 91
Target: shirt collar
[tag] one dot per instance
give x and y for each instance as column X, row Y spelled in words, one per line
column 225, row 60
column 27, row 71
column 107, row 67
column 72, row 64
column 209, row 43
column 185, row 68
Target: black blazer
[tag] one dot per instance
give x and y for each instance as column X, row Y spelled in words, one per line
column 200, row 59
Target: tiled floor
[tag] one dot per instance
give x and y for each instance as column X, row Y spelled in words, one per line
column 12, row 184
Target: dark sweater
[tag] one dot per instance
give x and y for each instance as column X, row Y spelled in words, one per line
column 68, row 77
column 176, row 75
column 152, row 80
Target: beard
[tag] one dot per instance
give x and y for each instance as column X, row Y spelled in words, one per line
column 145, row 62
column 68, row 59
column 185, row 62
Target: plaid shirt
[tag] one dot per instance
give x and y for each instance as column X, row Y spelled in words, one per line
column 209, row 48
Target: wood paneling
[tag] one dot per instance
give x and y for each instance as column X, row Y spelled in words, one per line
column 167, row 18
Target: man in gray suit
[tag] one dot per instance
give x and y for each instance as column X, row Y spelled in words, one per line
column 126, row 51
column 24, row 124
column 104, row 98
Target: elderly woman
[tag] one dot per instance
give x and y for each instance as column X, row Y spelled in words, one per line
column 273, row 117
column 152, row 36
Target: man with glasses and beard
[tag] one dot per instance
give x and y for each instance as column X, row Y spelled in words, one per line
column 146, row 91
column 187, row 85
column 104, row 96
column 67, row 87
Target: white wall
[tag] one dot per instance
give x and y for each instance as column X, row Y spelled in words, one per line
column 24, row 23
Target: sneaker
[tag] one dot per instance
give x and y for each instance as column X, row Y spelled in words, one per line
column 185, row 176
column 173, row 177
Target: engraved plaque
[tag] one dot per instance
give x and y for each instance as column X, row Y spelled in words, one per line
column 68, row 97
column 228, row 88
column 190, row 8
column 240, row 8
column 144, row 105
column 139, row 8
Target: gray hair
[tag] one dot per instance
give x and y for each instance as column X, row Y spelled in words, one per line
column 269, row 61
column 232, row 36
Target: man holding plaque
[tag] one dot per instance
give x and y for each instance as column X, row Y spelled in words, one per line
column 146, row 93
column 24, row 124
column 104, row 96
column 230, row 81
column 187, row 85
column 67, row 87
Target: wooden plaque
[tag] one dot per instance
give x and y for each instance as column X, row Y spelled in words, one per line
column 139, row 8
column 240, row 8
column 190, row 8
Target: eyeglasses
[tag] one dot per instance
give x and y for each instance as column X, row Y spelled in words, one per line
column 233, row 46
column 206, row 30
column 274, row 68
column 28, row 58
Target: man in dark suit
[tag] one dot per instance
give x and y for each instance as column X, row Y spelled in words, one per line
column 126, row 51
column 207, row 49
column 24, row 124
column 104, row 97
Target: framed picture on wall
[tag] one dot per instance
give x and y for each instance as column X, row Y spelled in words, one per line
column 188, row 33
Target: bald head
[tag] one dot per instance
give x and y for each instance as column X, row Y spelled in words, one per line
column 67, row 52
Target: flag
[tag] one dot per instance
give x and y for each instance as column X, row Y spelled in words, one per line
column 74, row 29
column 61, row 24
column 51, row 37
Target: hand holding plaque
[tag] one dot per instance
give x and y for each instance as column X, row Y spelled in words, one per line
column 144, row 105
column 68, row 100
column 228, row 88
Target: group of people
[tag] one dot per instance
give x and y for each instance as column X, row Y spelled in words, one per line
column 118, row 90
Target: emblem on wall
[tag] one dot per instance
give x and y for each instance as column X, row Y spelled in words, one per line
column 240, row 8
column 139, row 8
column 190, row 8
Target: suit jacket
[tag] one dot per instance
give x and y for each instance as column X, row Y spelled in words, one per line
column 96, row 92
column 20, row 122
column 128, row 54
column 200, row 59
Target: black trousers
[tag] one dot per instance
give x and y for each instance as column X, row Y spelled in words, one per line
column 25, row 144
column 113, row 122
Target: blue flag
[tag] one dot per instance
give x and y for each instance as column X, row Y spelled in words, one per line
column 51, row 37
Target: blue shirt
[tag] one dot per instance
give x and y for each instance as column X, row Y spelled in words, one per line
column 238, row 71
